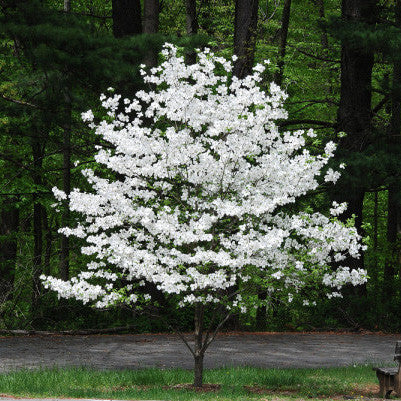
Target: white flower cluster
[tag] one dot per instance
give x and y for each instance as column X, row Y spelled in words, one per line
column 343, row 275
column 204, row 174
column 332, row 176
column 338, row 208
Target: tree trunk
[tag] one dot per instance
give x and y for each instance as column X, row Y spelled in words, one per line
column 261, row 312
column 64, row 264
column 394, row 192
column 48, row 244
column 37, row 253
column 151, row 26
column 65, row 244
column 38, row 152
column 285, row 22
column 198, row 350
column 150, row 16
column 354, row 112
column 374, row 274
column 391, row 236
column 126, row 15
column 9, row 222
column 192, row 27
column 198, row 371
column 245, row 25
column 396, row 124
column 67, row 6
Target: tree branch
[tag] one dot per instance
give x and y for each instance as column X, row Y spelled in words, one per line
column 265, row 14
column 320, row 58
column 379, row 105
column 208, row 340
column 25, row 193
column 285, row 123
column 330, row 101
column 176, row 331
column 183, row 339
column 20, row 102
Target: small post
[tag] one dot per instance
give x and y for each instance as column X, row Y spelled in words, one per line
column 397, row 378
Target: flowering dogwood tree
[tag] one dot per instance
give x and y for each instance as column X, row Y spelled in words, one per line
column 199, row 202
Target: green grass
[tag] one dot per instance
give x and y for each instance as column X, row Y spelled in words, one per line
column 150, row 383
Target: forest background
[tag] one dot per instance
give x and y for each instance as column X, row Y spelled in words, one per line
column 340, row 63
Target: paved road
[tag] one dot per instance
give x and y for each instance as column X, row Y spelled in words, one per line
column 165, row 351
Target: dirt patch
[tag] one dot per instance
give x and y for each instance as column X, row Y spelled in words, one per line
column 206, row 388
column 366, row 389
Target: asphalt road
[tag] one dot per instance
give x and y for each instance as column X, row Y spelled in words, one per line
column 168, row 351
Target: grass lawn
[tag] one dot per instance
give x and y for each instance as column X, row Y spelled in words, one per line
column 154, row 384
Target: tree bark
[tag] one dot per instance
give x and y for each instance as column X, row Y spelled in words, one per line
column 391, row 236
column 37, row 152
column 245, row 25
column 150, row 16
column 396, row 124
column 126, row 15
column 9, row 222
column 199, row 349
column 151, row 26
column 67, row 6
column 394, row 191
column 354, row 112
column 65, row 244
column 48, row 243
column 192, row 27
column 198, row 371
column 37, row 251
column 374, row 275
column 285, row 23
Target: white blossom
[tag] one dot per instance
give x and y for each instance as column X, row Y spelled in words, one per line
column 338, row 208
column 87, row 116
column 332, row 176
column 59, row 194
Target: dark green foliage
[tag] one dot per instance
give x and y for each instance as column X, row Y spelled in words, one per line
column 54, row 66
